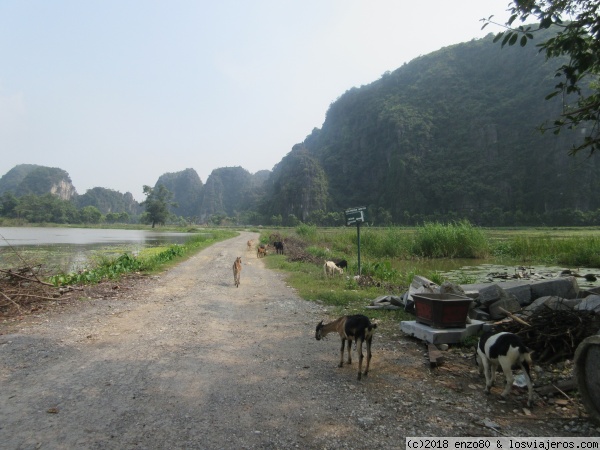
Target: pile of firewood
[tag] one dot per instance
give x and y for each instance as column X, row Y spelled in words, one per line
column 553, row 334
column 21, row 288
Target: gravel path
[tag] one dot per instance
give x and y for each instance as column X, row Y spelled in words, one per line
column 189, row 361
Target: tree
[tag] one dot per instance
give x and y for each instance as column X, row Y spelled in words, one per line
column 578, row 38
column 90, row 214
column 157, row 203
column 8, row 203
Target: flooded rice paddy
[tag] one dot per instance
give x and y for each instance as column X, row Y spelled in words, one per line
column 72, row 249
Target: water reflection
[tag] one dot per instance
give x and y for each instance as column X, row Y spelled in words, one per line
column 23, row 236
column 71, row 249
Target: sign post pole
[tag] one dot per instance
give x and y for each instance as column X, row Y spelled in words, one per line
column 358, row 235
column 356, row 216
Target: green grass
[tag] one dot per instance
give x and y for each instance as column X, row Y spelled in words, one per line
column 454, row 240
column 393, row 256
column 149, row 261
column 578, row 251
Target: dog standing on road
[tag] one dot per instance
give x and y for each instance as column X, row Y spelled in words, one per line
column 237, row 270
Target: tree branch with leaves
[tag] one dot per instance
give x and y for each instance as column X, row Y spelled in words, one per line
column 577, row 37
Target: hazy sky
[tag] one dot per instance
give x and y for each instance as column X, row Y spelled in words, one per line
column 118, row 92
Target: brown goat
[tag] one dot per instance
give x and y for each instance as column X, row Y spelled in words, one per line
column 261, row 251
column 237, row 270
column 358, row 328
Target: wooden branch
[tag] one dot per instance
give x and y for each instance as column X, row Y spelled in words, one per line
column 561, row 386
column 10, row 300
column 36, row 280
column 563, row 393
column 37, row 296
column 513, row 317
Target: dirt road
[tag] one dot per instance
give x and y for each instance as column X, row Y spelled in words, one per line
column 190, row 361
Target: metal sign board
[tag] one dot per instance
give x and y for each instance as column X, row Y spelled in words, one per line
column 355, row 215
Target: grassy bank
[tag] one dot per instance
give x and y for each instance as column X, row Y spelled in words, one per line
column 149, row 260
column 391, row 257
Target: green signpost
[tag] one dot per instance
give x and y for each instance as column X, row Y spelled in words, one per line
column 356, row 216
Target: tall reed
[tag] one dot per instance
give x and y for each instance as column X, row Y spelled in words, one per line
column 392, row 242
column 580, row 251
column 453, row 240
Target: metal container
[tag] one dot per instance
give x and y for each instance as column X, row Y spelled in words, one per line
column 442, row 310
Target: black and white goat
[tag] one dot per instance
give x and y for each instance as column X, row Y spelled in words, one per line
column 341, row 263
column 508, row 350
column 358, row 328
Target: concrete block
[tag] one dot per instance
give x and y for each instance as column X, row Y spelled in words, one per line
column 440, row 336
column 565, row 287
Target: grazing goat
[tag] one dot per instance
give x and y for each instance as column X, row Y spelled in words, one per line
column 341, row 263
column 278, row 247
column 508, row 350
column 331, row 269
column 249, row 244
column 358, row 328
column 261, row 251
column 237, row 270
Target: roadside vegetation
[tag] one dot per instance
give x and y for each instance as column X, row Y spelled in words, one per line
column 149, row 260
column 391, row 257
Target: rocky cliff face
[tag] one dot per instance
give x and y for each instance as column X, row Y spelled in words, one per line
column 26, row 179
column 63, row 189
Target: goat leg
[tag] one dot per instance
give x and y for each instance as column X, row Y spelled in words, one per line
column 368, row 357
column 342, row 354
column 529, row 385
column 349, row 351
column 486, row 371
column 360, row 357
column 508, row 375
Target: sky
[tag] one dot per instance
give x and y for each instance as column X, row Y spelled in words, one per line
column 119, row 92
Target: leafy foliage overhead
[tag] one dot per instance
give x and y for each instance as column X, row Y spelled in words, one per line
column 576, row 24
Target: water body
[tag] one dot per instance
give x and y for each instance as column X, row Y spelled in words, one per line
column 70, row 249
column 468, row 271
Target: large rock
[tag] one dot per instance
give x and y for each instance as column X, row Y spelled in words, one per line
column 590, row 303
column 521, row 292
column 450, row 288
column 508, row 303
column 491, row 294
column 553, row 302
column 565, row 287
